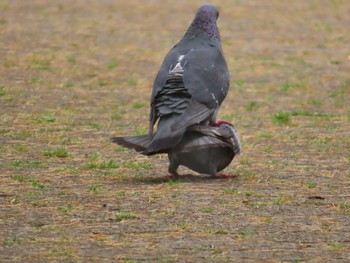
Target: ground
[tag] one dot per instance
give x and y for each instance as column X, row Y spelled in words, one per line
column 75, row 73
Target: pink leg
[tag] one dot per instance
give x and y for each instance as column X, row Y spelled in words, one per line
column 225, row 176
column 171, row 177
column 219, row 122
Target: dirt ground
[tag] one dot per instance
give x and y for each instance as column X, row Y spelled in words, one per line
column 75, row 73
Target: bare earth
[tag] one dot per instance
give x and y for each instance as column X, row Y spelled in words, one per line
column 75, row 73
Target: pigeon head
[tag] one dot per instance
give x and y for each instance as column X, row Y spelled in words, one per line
column 209, row 10
column 204, row 23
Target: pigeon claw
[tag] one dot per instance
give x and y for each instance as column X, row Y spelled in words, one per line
column 224, row 176
column 171, row 177
column 219, row 122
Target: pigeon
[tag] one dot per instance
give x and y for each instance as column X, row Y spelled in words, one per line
column 188, row 90
column 204, row 149
column 191, row 84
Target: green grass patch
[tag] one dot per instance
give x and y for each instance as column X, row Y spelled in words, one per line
column 242, row 234
column 132, row 82
column 70, row 140
column 20, row 148
column 112, row 65
column 121, row 193
column 41, row 64
column 4, row 132
column 2, row 91
column 239, row 83
column 4, row 6
column 335, row 246
column 95, row 126
column 172, row 183
column 206, row 209
column 121, row 215
column 344, row 206
column 340, row 92
column 265, row 135
column 20, row 178
column 50, row 130
column 236, row 192
column 36, row 81
column 314, row 102
column 230, row 191
column 319, row 141
column 116, row 116
column 95, row 188
column 103, row 165
column 24, row 164
column 21, row 135
column 102, row 84
column 309, row 113
column 69, row 85
column 311, row 185
column 35, row 183
column 299, row 61
column 93, row 157
column 268, row 149
column 61, row 153
column 65, row 209
column 138, row 165
column 10, row 242
column 290, row 85
column 281, row 200
column 46, row 119
column 231, row 117
column 281, row 118
column 252, row 106
column 141, row 131
column 109, row 165
column 323, row 27
column 72, row 59
column 138, row 105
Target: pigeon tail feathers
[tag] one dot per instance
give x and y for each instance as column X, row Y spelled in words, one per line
column 138, row 143
column 164, row 138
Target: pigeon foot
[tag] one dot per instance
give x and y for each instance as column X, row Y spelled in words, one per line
column 219, row 122
column 224, row 176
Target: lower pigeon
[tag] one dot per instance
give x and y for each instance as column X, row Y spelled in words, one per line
column 204, row 149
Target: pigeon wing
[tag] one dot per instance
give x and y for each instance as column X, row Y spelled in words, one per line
column 206, row 75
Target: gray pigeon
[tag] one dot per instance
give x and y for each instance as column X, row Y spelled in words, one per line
column 204, row 149
column 191, row 83
column 187, row 93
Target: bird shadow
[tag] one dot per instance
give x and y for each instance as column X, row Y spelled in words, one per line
column 183, row 178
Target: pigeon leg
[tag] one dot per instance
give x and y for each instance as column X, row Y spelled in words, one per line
column 173, row 175
column 224, row 176
column 219, row 122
